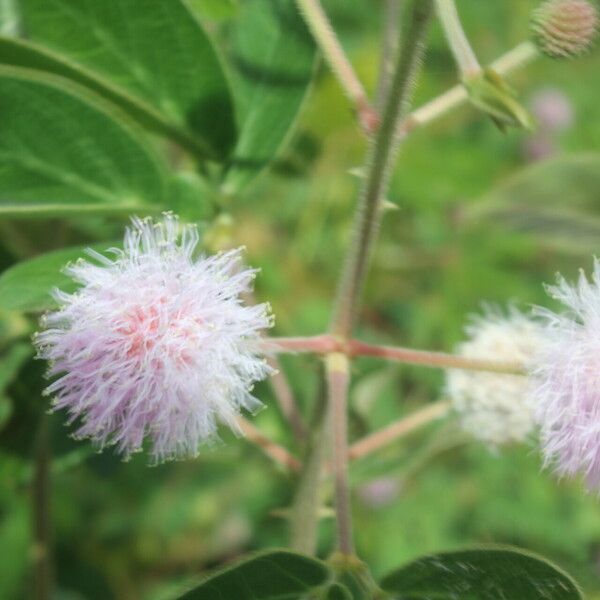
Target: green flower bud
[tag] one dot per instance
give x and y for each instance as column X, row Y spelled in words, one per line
column 490, row 93
column 564, row 28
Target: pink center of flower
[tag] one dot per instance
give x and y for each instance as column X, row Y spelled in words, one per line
column 145, row 327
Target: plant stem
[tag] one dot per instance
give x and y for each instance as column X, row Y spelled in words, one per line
column 389, row 49
column 42, row 558
column 324, row 344
column 334, row 54
column 380, row 159
column 457, row 96
column 399, row 429
column 304, row 518
column 285, row 398
column 459, row 44
column 319, row 344
column 338, row 377
column 436, row 359
column 271, row 449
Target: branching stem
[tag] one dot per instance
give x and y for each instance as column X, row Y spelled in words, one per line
column 324, row 344
column 455, row 97
column 380, row 159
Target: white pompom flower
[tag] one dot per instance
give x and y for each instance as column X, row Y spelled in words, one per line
column 566, row 380
column 494, row 407
column 156, row 343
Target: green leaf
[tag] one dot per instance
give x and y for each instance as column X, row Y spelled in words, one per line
column 216, row 10
column 554, row 201
column 481, row 574
column 9, row 17
column 273, row 58
column 27, row 285
column 20, row 53
column 63, row 150
column 157, row 51
column 275, row 575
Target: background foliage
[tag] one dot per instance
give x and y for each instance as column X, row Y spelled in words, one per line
column 96, row 136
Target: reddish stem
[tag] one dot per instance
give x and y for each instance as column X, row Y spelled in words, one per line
column 324, row 344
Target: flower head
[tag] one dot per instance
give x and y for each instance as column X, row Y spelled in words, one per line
column 565, row 28
column 156, row 343
column 566, row 380
column 493, row 406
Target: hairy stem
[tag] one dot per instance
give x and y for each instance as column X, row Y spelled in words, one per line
column 399, row 429
column 336, row 58
column 389, row 49
column 338, row 377
column 382, row 152
column 459, row 44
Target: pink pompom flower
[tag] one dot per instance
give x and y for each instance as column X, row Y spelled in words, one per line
column 156, row 343
column 565, row 381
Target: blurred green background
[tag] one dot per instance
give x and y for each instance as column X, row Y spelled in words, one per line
column 479, row 218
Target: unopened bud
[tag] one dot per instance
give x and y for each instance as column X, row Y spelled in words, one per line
column 565, row 28
column 491, row 94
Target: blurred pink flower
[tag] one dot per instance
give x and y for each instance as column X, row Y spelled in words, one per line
column 156, row 343
column 552, row 109
column 566, row 380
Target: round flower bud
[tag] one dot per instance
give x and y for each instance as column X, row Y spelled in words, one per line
column 493, row 407
column 564, row 28
column 156, row 343
column 565, row 380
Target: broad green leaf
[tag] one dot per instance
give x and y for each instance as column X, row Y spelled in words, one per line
column 63, row 150
column 272, row 56
column 216, row 10
column 481, row 574
column 190, row 196
column 157, row 51
column 9, row 17
column 275, row 575
column 555, row 201
column 20, row 53
column 27, row 285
